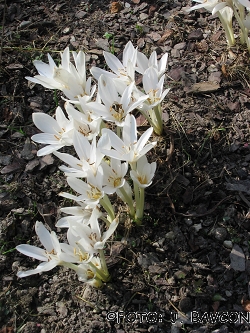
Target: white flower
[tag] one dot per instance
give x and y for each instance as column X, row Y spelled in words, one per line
column 129, row 149
column 91, row 237
column 87, row 273
column 113, row 175
column 90, row 156
column 57, row 132
column 90, row 191
column 115, row 107
column 125, row 70
column 81, row 214
column 143, row 63
column 82, row 122
column 51, row 256
column 144, row 172
column 154, row 88
column 66, row 77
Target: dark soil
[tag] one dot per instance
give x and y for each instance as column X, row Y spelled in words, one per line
column 191, row 255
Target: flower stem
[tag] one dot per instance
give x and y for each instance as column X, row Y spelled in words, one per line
column 228, row 30
column 159, row 126
column 129, row 201
column 100, row 274
column 106, row 204
column 104, row 264
column 140, row 206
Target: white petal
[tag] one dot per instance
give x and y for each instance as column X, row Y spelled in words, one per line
column 43, row 69
column 60, row 118
column 162, row 64
column 113, row 62
column 32, row 251
column 65, row 56
column 129, row 133
column 46, row 138
column 45, row 82
column 142, row 62
column 44, row 236
column 97, row 72
column 126, row 96
column 45, row 123
column 43, row 267
column 48, row 150
column 245, row 3
column 115, row 141
column 110, row 230
column 78, row 185
column 144, row 138
column 150, row 79
column 219, row 7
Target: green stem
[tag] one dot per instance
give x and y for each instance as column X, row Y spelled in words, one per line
column 158, row 114
column 147, row 117
column 106, row 204
column 118, row 131
column 140, row 207
column 104, row 276
column 103, row 218
column 129, row 201
column 103, row 262
column 228, row 30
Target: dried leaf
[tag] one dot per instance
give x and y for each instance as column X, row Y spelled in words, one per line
column 204, row 87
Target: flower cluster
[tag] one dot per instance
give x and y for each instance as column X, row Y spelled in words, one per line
column 226, row 10
column 108, row 153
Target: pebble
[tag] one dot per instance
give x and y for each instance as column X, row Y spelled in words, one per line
column 237, row 257
column 143, row 16
column 180, row 46
column 220, row 234
column 24, row 24
column 228, row 244
column 170, row 235
column 81, row 14
column 195, row 35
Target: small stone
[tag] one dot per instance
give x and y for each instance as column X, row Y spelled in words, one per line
column 170, row 235
column 24, row 24
column 5, row 159
column 27, row 148
column 228, row 244
column 220, row 234
column 102, row 44
column 81, row 14
column 143, row 16
column 195, row 35
column 237, row 258
column 66, row 30
column 175, row 53
column 180, row 46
